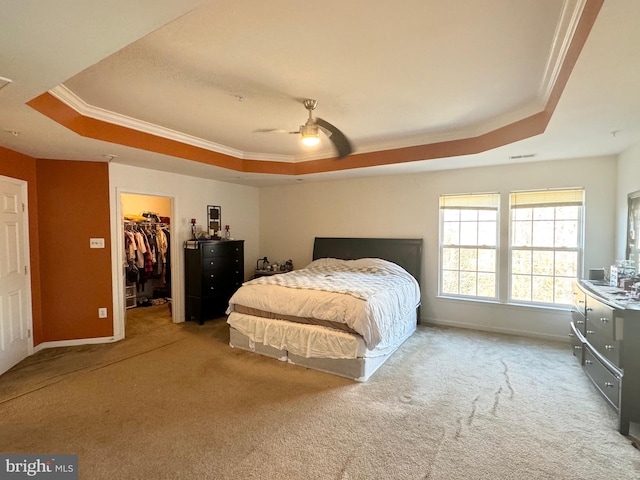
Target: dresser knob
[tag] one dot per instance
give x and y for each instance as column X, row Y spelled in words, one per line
column 580, row 322
column 589, row 309
column 608, row 384
column 571, row 335
column 590, row 332
column 577, row 347
column 604, row 319
column 588, row 362
column 608, row 347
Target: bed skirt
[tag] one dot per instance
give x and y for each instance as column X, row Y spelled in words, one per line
column 319, row 348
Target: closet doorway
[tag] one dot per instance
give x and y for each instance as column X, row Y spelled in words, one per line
column 146, row 247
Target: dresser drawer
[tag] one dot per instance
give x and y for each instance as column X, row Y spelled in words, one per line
column 219, row 275
column 579, row 299
column 223, row 292
column 579, row 321
column 600, row 316
column 221, row 263
column 607, row 382
column 577, row 343
column 609, row 349
column 220, row 282
column 601, row 330
column 222, row 249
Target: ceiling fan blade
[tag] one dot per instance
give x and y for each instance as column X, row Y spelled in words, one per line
column 272, row 130
column 339, row 140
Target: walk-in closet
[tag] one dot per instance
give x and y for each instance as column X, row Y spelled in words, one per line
column 147, row 257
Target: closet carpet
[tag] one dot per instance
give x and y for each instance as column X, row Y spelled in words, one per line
column 176, row 402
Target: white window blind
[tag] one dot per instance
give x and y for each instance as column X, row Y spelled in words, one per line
column 547, row 198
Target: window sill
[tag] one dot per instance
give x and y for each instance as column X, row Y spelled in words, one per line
column 556, row 308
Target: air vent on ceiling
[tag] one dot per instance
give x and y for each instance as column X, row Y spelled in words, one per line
column 518, row 157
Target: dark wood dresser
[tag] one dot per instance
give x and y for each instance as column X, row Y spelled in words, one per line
column 214, row 270
column 605, row 337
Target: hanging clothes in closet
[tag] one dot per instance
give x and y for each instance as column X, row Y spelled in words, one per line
column 146, row 249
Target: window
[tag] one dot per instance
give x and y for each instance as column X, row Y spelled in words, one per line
column 468, row 245
column 543, row 256
column 546, row 245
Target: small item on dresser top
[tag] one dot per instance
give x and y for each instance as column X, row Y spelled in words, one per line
column 227, row 232
column 262, row 264
column 622, row 274
column 193, row 229
column 626, row 282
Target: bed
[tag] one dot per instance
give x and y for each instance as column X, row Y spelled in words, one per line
column 345, row 313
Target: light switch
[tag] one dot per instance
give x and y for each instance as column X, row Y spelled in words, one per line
column 96, row 242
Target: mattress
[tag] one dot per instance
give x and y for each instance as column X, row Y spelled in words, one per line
column 314, row 347
column 293, row 318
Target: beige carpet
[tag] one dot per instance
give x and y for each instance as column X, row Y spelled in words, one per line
column 176, row 402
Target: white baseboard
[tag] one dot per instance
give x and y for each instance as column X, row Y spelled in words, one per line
column 74, row 343
column 505, row 331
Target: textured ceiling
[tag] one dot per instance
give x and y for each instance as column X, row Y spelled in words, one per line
column 390, row 75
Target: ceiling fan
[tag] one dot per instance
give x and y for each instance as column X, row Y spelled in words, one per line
column 310, row 131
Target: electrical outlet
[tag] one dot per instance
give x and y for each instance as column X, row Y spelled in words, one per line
column 102, row 312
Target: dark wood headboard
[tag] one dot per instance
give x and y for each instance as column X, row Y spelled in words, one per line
column 406, row 252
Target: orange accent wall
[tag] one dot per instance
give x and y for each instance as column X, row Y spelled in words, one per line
column 23, row 167
column 73, row 206
column 68, row 204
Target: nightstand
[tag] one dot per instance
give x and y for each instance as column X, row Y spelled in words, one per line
column 268, row 273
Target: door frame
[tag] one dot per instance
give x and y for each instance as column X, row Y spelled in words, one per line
column 26, row 246
column 118, row 255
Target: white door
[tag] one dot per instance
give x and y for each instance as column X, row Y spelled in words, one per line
column 15, row 293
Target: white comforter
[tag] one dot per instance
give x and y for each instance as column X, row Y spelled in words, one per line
column 369, row 295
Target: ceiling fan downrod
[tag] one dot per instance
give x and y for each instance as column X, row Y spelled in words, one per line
column 309, row 131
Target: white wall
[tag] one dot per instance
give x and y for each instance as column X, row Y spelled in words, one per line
column 191, row 196
column 406, row 206
column 628, row 181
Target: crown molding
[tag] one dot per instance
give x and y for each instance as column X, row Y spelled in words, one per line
column 66, row 96
column 69, row 98
column 565, row 30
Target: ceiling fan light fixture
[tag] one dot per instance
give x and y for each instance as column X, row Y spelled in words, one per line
column 310, row 135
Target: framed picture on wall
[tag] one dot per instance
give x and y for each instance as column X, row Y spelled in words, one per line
column 214, row 218
column 633, row 229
